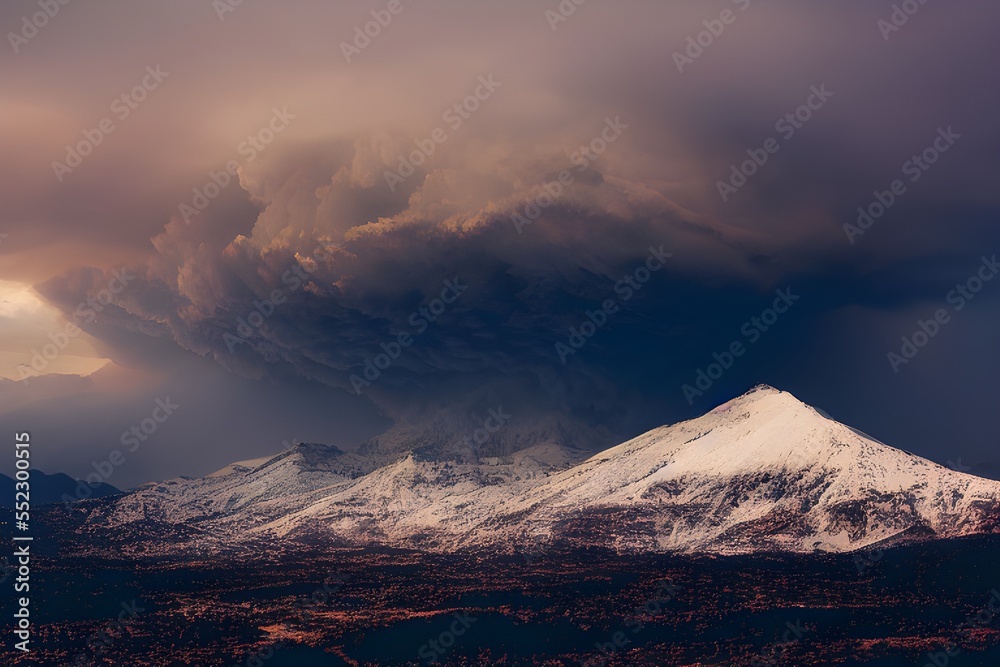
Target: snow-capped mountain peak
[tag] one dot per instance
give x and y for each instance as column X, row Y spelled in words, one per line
column 762, row 472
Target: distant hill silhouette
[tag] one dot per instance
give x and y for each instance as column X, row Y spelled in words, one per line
column 47, row 488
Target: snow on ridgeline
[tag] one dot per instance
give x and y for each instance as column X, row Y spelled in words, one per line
column 762, row 472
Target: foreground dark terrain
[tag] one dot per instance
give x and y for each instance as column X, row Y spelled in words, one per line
column 877, row 609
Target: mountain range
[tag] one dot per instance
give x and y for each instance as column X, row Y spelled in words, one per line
column 763, row 472
column 54, row 488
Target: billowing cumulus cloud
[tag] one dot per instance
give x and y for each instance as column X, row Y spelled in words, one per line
column 509, row 255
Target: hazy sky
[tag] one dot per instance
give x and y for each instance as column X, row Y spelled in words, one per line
column 250, row 297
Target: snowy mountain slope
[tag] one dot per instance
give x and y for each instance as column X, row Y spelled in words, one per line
column 763, row 472
column 243, row 494
column 253, row 500
column 419, row 501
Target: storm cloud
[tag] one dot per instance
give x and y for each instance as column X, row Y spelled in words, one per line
column 477, row 210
